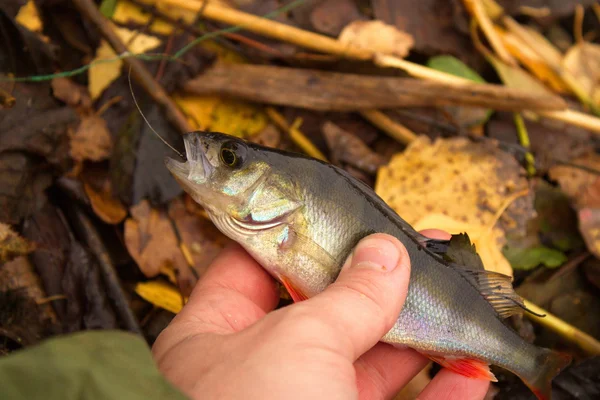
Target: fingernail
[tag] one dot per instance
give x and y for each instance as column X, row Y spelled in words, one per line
column 376, row 253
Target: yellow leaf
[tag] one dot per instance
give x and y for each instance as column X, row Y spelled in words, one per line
column 517, row 78
column 29, row 17
column 126, row 12
column 104, row 73
column 161, row 295
column 377, row 36
column 583, row 62
column 467, row 183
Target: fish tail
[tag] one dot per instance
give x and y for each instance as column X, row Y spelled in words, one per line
column 549, row 363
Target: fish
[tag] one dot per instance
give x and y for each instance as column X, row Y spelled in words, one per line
column 300, row 218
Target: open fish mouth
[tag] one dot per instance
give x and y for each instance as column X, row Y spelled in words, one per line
column 197, row 168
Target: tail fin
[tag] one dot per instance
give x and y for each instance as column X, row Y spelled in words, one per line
column 549, row 364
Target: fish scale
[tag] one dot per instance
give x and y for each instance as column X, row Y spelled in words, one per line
column 300, row 218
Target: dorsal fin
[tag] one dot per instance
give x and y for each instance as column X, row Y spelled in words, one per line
column 497, row 290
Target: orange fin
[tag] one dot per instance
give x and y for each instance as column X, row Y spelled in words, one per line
column 296, row 294
column 468, row 367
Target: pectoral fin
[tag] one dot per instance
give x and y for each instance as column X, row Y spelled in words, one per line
column 294, row 292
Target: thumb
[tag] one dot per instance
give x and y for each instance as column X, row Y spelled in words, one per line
column 363, row 304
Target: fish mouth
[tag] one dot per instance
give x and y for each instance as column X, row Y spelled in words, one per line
column 197, row 169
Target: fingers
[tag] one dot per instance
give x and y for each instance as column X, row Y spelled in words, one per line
column 233, row 293
column 448, row 385
column 382, row 371
column 363, row 304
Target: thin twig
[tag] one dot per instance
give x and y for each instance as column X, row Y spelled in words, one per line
column 524, row 141
column 295, row 134
column 394, row 129
column 140, row 73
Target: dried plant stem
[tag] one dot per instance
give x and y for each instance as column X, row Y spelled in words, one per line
column 565, row 330
column 295, row 134
column 88, row 9
column 524, row 140
column 479, row 13
column 395, row 130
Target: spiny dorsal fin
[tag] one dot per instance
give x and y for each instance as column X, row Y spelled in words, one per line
column 497, row 290
column 495, row 287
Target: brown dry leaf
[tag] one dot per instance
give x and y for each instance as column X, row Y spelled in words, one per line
column 12, row 245
column 105, row 204
column 91, row 140
column 152, row 242
column 70, row 92
column 377, row 36
column 106, row 68
column 583, row 62
column 583, row 189
column 457, row 185
column 347, row 148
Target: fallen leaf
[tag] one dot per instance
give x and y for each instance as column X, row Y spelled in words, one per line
column 12, row 245
column 29, row 17
column 460, row 186
column 98, row 188
column 107, row 7
column 583, row 62
column 161, row 295
column 152, row 242
column 583, row 189
column 92, row 140
column 106, row 69
column 127, row 13
column 377, row 36
column 347, row 148
column 516, row 77
column 71, row 93
column 526, row 259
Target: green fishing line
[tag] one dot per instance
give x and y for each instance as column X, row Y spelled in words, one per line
column 149, row 57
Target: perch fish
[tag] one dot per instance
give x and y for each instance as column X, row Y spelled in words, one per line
column 300, row 217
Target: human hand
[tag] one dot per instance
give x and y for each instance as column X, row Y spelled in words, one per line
column 228, row 343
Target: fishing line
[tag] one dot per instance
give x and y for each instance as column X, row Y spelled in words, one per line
column 151, row 56
column 146, row 120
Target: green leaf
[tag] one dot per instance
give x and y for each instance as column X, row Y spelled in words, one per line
column 107, row 8
column 454, row 66
column 91, row 365
column 528, row 258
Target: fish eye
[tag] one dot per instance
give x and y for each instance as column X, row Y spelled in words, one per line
column 232, row 154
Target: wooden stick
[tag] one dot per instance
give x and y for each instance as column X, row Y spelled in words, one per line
column 394, row 129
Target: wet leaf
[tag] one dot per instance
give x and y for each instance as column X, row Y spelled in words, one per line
column 92, row 140
column 459, row 186
column 161, row 295
column 526, row 259
column 12, row 245
column 101, row 75
column 377, row 36
column 109, row 364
